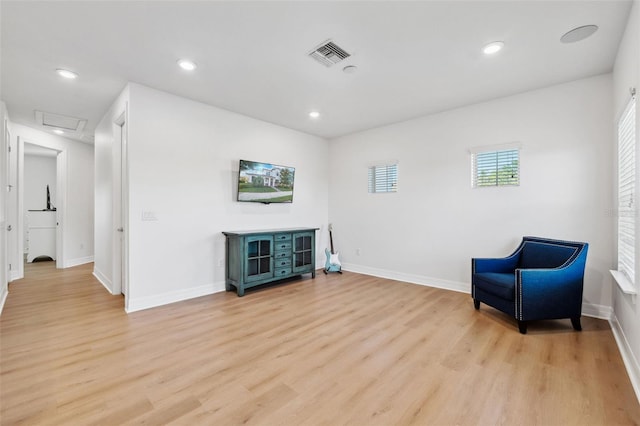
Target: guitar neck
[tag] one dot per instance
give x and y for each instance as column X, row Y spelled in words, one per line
column 331, row 240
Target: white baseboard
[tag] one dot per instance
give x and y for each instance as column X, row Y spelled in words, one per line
column 597, row 311
column 173, row 296
column 16, row 275
column 630, row 361
column 409, row 278
column 102, row 279
column 588, row 309
column 3, row 298
column 78, row 261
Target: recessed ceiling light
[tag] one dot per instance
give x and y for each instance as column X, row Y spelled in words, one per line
column 187, row 65
column 493, row 47
column 58, row 132
column 350, row 69
column 66, row 73
column 579, row 33
column 314, row 114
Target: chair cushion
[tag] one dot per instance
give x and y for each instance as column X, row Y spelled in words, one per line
column 498, row 284
column 544, row 255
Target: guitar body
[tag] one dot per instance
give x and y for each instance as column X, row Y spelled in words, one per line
column 333, row 263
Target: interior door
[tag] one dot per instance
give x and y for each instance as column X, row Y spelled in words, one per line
column 123, row 207
column 120, row 205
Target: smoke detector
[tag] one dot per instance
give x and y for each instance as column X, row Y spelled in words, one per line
column 329, row 53
column 578, row 34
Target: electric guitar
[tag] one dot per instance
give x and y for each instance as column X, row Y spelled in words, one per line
column 333, row 262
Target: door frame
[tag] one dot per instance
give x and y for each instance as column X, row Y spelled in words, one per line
column 61, row 206
column 61, row 201
column 5, row 273
column 120, row 208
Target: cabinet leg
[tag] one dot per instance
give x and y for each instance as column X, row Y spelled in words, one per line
column 240, row 291
column 313, row 274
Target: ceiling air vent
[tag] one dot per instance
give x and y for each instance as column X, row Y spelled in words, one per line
column 329, row 53
column 58, row 121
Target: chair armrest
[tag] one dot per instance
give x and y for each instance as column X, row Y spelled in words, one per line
column 500, row 265
column 497, row 264
column 549, row 293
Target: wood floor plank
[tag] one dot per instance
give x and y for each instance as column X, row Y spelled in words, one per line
column 339, row 349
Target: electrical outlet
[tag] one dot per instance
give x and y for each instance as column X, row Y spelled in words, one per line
column 81, row 246
column 220, row 263
column 357, row 252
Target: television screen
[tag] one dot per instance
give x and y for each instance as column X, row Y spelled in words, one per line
column 265, row 183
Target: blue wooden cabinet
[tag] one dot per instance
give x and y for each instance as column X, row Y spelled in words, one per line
column 259, row 257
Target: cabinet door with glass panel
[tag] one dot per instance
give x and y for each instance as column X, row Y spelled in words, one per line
column 259, row 258
column 304, row 252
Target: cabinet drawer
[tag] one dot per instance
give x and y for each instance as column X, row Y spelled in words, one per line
column 282, row 272
column 282, row 237
column 280, row 263
column 282, row 254
column 283, row 245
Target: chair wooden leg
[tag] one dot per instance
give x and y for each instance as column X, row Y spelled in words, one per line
column 476, row 304
column 576, row 324
column 522, row 325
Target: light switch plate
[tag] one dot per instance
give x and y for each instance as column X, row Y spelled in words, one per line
column 149, row 216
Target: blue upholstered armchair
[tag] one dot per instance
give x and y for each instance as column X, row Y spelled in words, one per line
column 542, row 279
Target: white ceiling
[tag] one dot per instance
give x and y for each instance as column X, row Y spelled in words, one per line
column 413, row 58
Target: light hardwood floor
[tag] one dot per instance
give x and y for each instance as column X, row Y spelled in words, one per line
column 340, row 349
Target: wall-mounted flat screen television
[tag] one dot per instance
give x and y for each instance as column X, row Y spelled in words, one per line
column 265, row 183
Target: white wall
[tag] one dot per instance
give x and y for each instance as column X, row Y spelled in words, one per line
column 183, row 164
column 77, row 212
column 39, row 171
column 430, row 229
column 626, row 312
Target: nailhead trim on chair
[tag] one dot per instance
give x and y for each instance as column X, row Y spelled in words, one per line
column 519, row 297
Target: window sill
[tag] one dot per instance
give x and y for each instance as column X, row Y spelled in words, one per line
column 625, row 285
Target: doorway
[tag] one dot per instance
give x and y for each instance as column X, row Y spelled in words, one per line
column 40, row 204
column 18, row 210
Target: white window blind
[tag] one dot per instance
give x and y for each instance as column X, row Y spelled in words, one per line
column 495, row 168
column 383, row 178
column 626, row 191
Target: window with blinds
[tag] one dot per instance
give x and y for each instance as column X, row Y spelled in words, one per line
column 626, row 191
column 383, row 178
column 495, row 168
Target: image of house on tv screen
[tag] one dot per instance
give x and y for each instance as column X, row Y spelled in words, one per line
column 265, row 183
